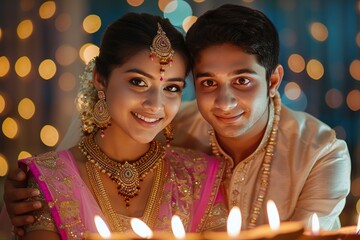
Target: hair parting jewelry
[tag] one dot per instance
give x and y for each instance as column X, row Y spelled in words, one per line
column 161, row 48
column 266, row 163
column 127, row 175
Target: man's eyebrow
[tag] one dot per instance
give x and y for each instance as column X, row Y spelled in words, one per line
column 236, row 72
column 136, row 70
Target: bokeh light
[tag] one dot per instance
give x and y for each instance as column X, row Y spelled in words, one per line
column 26, row 108
column 199, row 1
column 47, row 69
column 23, row 66
column 334, row 98
column 358, row 38
column 353, row 101
column 355, row 69
column 47, row 9
column 319, row 31
column 298, row 104
column 4, row 167
column 177, row 11
column 5, row 66
column 24, row 154
column 63, row 22
column 92, row 23
column 88, row 51
column 135, row 3
column 67, row 82
column 163, row 3
column 0, row 33
column 25, row 29
column 315, row 69
column 340, row 132
column 296, row 63
column 188, row 22
column 358, row 206
column 49, row 135
column 292, row 91
column 2, row 103
column 10, row 127
column 65, row 55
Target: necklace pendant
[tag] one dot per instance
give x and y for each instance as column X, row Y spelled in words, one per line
column 128, row 182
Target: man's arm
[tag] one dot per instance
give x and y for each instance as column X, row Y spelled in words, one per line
column 15, row 194
column 326, row 187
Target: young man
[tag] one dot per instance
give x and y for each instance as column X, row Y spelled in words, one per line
column 271, row 151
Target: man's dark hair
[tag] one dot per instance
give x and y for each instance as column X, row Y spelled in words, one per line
column 247, row 28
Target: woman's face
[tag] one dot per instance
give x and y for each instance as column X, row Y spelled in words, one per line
column 140, row 105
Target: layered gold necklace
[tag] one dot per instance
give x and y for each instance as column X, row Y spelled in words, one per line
column 266, row 163
column 125, row 174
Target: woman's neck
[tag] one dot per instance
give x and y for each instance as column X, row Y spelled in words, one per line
column 119, row 147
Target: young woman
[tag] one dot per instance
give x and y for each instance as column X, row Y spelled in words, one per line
column 128, row 94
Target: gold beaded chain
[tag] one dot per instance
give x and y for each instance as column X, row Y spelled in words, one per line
column 127, row 175
column 266, row 163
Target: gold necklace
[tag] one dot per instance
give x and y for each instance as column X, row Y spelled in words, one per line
column 127, row 175
column 266, row 163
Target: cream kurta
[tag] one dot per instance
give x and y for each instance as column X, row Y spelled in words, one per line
column 310, row 171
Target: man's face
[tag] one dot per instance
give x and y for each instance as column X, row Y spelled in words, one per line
column 231, row 91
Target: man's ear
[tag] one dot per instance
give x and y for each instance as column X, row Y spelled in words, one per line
column 275, row 80
column 98, row 80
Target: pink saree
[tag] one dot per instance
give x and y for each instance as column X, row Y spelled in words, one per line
column 189, row 188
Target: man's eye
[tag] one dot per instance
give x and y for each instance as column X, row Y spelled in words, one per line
column 208, row 83
column 138, row 82
column 242, row 81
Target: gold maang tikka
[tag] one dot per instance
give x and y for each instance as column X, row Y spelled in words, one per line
column 161, row 48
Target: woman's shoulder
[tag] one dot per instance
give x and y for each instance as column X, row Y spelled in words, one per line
column 49, row 159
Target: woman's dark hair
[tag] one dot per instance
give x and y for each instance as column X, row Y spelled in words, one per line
column 247, row 28
column 132, row 33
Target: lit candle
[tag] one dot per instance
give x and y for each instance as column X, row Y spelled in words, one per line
column 177, row 227
column 358, row 226
column 273, row 215
column 140, row 228
column 315, row 225
column 234, row 223
column 102, row 228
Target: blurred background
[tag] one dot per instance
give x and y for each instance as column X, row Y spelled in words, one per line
column 44, row 46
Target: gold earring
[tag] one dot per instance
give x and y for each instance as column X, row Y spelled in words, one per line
column 169, row 134
column 100, row 113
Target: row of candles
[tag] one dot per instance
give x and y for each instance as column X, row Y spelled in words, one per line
column 273, row 231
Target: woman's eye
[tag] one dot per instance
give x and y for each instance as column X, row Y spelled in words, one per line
column 208, row 83
column 173, row 88
column 138, row 82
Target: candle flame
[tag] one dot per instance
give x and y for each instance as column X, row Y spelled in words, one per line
column 140, row 228
column 315, row 225
column 177, row 227
column 101, row 227
column 273, row 215
column 358, row 226
column 234, row 222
